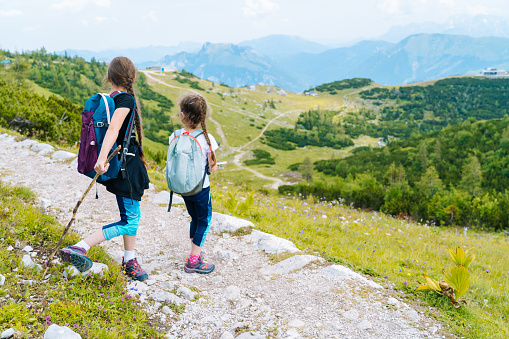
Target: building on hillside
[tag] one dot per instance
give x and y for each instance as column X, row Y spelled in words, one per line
column 282, row 92
column 251, row 88
column 6, row 63
column 162, row 68
column 492, row 72
column 311, row 93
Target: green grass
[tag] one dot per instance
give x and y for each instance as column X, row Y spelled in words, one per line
column 393, row 251
column 94, row 306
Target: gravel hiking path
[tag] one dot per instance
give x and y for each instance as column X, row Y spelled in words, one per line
column 301, row 297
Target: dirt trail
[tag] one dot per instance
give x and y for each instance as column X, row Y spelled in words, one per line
column 246, row 291
column 240, row 153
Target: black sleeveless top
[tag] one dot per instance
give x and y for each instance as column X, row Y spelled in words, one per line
column 136, row 181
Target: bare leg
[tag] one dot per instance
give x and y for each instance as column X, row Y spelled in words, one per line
column 195, row 250
column 129, row 242
column 95, row 238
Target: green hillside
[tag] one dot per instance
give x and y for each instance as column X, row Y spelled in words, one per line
column 446, row 161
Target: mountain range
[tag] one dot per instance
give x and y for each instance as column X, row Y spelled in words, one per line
column 415, row 58
column 405, row 54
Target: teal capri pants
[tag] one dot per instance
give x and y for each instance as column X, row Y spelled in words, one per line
column 129, row 219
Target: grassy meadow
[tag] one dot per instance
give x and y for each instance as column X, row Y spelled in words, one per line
column 94, row 306
column 395, row 252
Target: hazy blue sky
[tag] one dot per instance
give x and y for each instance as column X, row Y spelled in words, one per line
column 103, row 24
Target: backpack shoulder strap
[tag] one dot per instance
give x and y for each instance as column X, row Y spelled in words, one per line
column 196, row 133
column 108, row 115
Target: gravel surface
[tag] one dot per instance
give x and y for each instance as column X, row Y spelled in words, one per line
column 247, row 296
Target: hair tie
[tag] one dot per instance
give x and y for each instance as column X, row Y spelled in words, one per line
column 141, row 148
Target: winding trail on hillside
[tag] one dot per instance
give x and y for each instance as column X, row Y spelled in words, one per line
column 237, row 159
column 240, row 153
column 218, row 125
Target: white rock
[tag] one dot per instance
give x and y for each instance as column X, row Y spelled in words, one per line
column 226, row 335
column 168, row 297
column 62, row 155
column 70, row 272
column 97, row 268
column 392, row 301
column 286, row 266
column 27, row 249
column 17, row 244
column 225, row 223
column 271, row 244
column 216, row 279
column 74, row 164
column 296, row 323
column 166, row 310
column 28, row 143
column 60, row 332
column 232, row 292
column 41, row 147
column 352, row 314
column 222, row 254
column 186, row 293
column 243, row 303
column 163, row 197
column 8, row 333
column 2, row 280
column 338, row 271
column 151, row 186
column 27, row 261
column 364, row 325
column 292, row 333
column 136, row 287
column 45, row 203
column 10, row 248
column 412, row 315
column 250, row 335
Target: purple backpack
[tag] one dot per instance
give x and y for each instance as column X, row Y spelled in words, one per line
column 96, row 118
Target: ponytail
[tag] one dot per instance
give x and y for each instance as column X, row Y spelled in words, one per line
column 138, row 124
column 122, row 72
column 206, row 135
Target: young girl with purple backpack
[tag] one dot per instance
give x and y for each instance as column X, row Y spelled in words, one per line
column 129, row 186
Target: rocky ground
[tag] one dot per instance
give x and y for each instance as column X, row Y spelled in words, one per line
column 300, row 297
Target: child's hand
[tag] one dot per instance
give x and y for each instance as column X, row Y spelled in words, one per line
column 213, row 169
column 100, row 167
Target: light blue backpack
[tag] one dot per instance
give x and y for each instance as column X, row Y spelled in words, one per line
column 184, row 164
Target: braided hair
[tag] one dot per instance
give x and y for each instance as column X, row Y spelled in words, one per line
column 122, row 73
column 195, row 110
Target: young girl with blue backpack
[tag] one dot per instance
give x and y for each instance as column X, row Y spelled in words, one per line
column 191, row 157
column 129, row 179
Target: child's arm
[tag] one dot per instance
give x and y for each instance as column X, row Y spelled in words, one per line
column 109, row 139
column 214, row 168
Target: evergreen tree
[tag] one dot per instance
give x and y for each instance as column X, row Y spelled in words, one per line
column 306, row 169
column 471, row 178
column 423, row 155
column 430, row 183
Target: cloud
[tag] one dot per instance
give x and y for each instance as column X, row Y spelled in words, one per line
column 150, row 16
column 478, row 9
column 255, row 8
column 78, row 5
column 30, row 28
column 390, row 6
column 100, row 19
column 12, row 12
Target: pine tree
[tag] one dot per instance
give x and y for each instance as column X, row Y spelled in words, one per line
column 430, row 182
column 306, row 169
column 471, row 178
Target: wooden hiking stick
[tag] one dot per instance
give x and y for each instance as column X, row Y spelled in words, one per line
column 75, row 210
